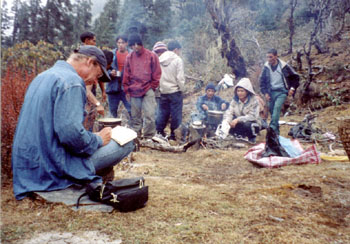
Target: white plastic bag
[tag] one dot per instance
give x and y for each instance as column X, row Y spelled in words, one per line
column 223, row 130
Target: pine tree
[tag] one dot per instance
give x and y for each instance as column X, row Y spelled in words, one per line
column 158, row 26
column 105, row 26
column 133, row 17
column 23, row 22
column 5, row 24
column 14, row 10
column 82, row 17
column 35, row 11
column 56, row 22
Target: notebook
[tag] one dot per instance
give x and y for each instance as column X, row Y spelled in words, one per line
column 123, row 135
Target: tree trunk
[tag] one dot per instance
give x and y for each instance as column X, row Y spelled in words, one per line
column 219, row 11
column 293, row 4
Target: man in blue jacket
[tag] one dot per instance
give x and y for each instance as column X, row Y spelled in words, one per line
column 51, row 149
column 277, row 81
column 210, row 101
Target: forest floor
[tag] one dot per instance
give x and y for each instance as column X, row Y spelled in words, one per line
column 204, row 196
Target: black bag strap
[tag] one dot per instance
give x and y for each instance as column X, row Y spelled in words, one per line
column 78, row 201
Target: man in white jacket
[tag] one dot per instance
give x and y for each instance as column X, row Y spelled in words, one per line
column 172, row 84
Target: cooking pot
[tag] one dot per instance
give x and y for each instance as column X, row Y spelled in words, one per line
column 109, row 122
column 215, row 117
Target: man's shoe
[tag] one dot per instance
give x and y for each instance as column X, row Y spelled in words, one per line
column 160, row 138
column 252, row 140
column 172, row 137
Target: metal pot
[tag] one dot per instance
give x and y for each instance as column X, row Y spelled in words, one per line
column 215, row 117
column 109, row 122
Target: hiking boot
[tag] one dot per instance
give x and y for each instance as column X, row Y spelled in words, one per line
column 172, row 137
column 252, row 140
column 160, row 138
column 161, row 134
column 241, row 138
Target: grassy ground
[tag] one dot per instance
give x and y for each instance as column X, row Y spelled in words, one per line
column 207, row 196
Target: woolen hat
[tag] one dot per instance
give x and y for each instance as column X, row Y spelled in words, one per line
column 134, row 39
column 210, row 86
column 159, row 46
column 90, row 50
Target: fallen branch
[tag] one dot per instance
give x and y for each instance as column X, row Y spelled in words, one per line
column 166, row 147
column 193, row 78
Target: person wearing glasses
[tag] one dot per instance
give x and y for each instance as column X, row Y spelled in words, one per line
column 51, row 149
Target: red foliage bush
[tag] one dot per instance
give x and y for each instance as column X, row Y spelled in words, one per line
column 14, row 85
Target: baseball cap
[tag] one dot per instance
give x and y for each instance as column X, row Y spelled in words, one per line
column 90, row 50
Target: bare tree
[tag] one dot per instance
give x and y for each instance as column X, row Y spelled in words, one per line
column 335, row 23
column 293, row 4
column 319, row 8
column 220, row 11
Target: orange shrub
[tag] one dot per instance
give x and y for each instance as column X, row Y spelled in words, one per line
column 13, row 88
column 20, row 64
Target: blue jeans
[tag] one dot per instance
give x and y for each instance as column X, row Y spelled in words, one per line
column 276, row 102
column 110, row 154
column 114, row 100
column 170, row 105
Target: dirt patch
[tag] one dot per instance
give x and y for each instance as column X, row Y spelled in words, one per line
column 88, row 237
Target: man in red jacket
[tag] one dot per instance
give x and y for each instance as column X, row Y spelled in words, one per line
column 141, row 78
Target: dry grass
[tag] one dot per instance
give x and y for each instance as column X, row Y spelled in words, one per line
column 207, row 196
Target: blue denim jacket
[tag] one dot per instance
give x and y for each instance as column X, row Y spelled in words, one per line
column 51, row 146
column 213, row 104
column 113, row 86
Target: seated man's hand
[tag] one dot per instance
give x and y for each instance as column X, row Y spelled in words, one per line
column 223, row 106
column 105, row 134
column 291, row 92
column 101, row 110
column 205, row 107
column 233, row 123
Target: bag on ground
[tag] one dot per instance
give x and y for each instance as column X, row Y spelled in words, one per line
column 273, row 147
column 125, row 194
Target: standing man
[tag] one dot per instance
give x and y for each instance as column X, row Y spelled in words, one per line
column 51, row 149
column 141, row 78
column 93, row 106
column 159, row 48
column 88, row 38
column 115, row 90
column 277, row 81
column 172, row 85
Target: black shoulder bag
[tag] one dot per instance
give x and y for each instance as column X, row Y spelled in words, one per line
column 124, row 195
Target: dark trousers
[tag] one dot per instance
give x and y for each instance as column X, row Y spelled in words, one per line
column 170, row 105
column 247, row 129
column 114, row 100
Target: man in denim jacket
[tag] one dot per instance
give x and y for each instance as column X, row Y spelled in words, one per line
column 51, row 149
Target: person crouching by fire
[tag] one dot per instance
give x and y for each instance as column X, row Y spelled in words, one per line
column 207, row 103
column 243, row 112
